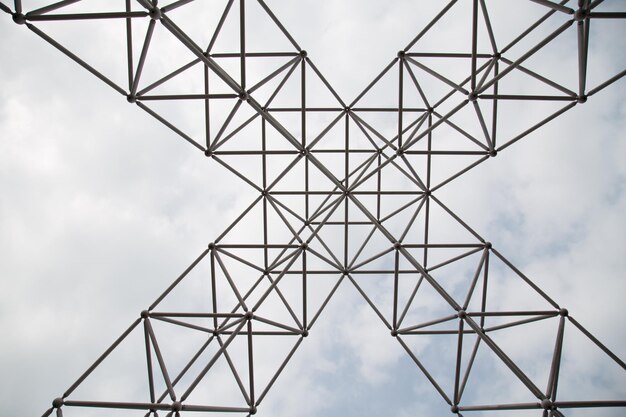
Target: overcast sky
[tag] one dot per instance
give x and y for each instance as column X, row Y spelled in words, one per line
column 101, row 208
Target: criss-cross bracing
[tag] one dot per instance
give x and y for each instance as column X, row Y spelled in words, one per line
column 346, row 195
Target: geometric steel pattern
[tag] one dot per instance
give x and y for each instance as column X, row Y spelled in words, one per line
column 346, row 196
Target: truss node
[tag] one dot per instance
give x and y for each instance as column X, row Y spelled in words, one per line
column 546, row 404
column 19, row 18
column 581, row 14
column 155, row 13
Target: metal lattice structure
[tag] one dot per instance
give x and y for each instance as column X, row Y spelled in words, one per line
column 346, row 195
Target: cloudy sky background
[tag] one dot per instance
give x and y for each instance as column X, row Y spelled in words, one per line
column 101, row 208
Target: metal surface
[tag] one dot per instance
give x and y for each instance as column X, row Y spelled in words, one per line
column 340, row 180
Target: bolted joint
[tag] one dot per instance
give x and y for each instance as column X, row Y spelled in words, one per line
column 131, row 98
column 253, row 410
column 497, row 55
column 581, row 99
column 249, row 315
column 454, row 409
column 397, row 245
column 394, row 332
column 428, row 193
column 305, row 332
column 493, row 153
column 488, row 245
column 19, row 18
column 461, row 314
column 399, row 151
column 347, row 109
column 304, row 246
column 244, row 96
column 144, row 314
column 303, row 53
column 401, row 54
column 177, row 406
column 563, row 312
column 580, row 15
column 473, row 96
column 430, row 110
column 211, row 246
column 546, row 404
column 155, row 13
column 57, row 402
column 208, row 153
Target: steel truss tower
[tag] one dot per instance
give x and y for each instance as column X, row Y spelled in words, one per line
column 346, row 195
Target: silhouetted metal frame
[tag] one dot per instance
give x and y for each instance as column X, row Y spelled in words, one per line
column 386, row 152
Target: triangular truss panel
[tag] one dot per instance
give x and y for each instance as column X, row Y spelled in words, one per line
column 346, row 195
